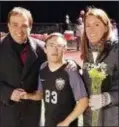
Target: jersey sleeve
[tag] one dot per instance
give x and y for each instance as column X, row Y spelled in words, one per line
column 77, row 85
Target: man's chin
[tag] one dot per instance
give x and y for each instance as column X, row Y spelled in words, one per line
column 20, row 41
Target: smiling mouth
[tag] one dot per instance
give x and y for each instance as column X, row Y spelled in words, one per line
column 19, row 35
column 92, row 35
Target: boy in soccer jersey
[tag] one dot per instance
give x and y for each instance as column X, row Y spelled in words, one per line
column 61, row 87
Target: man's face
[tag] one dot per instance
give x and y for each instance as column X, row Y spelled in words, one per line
column 55, row 48
column 19, row 28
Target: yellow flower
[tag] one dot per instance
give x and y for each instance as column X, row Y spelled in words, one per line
column 97, row 76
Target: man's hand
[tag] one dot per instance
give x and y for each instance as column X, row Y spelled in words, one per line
column 71, row 65
column 16, row 95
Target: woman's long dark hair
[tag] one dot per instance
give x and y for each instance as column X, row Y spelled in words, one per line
column 103, row 17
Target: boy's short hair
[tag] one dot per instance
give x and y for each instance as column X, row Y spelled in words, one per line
column 56, row 34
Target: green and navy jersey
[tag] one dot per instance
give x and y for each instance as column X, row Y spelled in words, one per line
column 61, row 88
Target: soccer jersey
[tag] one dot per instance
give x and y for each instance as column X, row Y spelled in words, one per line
column 61, row 88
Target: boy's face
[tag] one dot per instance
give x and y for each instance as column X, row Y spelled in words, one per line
column 55, row 48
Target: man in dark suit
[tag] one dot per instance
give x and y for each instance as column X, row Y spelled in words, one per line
column 20, row 60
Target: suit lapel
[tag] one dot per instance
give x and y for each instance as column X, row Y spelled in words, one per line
column 11, row 54
column 14, row 59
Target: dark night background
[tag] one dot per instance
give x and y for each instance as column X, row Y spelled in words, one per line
column 55, row 11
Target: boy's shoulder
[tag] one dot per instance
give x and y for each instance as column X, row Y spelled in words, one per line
column 73, row 73
column 44, row 65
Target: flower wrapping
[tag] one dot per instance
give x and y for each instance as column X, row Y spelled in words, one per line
column 97, row 73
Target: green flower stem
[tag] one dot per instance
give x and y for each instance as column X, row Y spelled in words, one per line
column 95, row 118
column 95, row 114
column 96, row 87
column 97, row 76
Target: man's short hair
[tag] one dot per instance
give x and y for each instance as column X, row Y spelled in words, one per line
column 21, row 11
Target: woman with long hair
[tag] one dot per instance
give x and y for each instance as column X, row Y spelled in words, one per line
column 97, row 38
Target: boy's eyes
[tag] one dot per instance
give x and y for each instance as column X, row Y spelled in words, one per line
column 53, row 45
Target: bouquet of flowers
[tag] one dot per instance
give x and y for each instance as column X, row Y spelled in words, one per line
column 97, row 73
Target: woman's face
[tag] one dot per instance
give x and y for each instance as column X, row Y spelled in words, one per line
column 95, row 29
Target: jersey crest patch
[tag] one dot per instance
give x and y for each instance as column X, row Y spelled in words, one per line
column 60, row 83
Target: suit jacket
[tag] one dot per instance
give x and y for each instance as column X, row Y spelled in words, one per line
column 13, row 75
